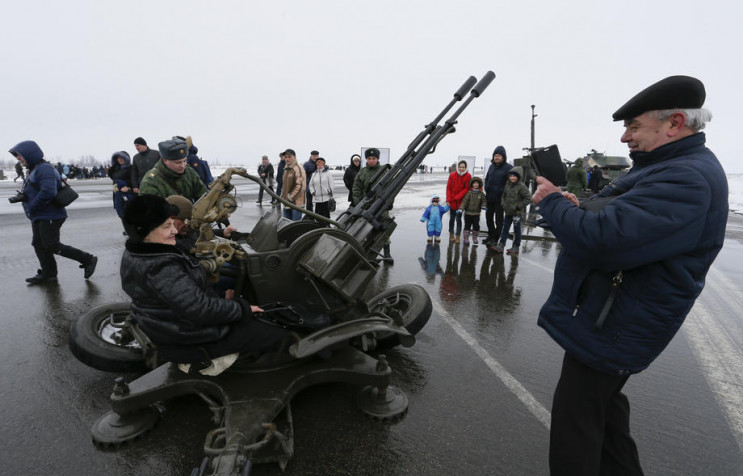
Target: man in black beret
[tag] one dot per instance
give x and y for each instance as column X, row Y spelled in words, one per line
column 629, row 273
column 171, row 174
column 142, row 162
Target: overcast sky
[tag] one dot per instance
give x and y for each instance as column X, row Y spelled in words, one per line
column 247, row 78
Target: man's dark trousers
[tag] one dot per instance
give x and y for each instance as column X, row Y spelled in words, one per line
column 590, row 432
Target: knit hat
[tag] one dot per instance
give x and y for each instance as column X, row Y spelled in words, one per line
column 502, row 151
column 140, row 141
column 185, row 207
column 144, row 213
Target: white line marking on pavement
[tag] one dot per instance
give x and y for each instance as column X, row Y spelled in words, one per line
column 722, row 363
column 503, row 375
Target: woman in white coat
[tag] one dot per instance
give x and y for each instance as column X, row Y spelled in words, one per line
column 321, row 187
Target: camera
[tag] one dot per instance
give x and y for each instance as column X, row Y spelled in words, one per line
column 19, row 197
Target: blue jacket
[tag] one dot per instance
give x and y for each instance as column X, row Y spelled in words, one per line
column 433, row 214
column 663, row 232
column 199, row 165
column 495, row 181
column 41, row 185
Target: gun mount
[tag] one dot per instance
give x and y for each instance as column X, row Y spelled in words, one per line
column 318, row 268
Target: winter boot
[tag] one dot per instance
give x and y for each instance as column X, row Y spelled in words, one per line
column 514, row 250
column 429, row 240
column 466, row 238
column 458, row 239
column 498, row 248
column 451, row 237
column 387, row 257
column 437, row 239
column 474, row 236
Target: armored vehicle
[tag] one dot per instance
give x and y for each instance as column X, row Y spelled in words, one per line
column 311, row 276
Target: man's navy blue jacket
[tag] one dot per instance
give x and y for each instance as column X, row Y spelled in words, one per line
column 663, row 232
column 495, row 181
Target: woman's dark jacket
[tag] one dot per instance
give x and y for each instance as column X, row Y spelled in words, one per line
column 41, row 184
column 171, row 301
column 349, row 175
column 663, row 231
column 120, row 174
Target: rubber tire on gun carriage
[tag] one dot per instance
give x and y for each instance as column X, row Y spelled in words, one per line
column 89, row 344
column 415, row 305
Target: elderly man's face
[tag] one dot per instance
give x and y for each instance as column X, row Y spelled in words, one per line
column 177, row 166
column 645, row 133
column 497, row 159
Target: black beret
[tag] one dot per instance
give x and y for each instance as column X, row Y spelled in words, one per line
column 674, row 92
column 371, row 153
column 144, row 213
column 140, row 141
column 173, row 149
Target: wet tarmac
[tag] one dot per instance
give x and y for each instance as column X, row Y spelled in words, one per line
column 479, row 379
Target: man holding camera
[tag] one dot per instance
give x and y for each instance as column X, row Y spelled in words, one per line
column 37, row 196
column 629, row 273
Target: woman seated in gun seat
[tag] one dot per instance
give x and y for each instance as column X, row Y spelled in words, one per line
column 171, row 300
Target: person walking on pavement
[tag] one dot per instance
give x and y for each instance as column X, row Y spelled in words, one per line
column 39, row 189
column 142, row 162
column 495, row 183
column 279, row 175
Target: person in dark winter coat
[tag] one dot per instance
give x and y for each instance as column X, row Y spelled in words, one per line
column 171, row 300
column 200, row 166
column 515, row 199
column 495, row 183
column 456, row 188
column 122, row 178
column 142, row 162
column 309, row 169
column 350, row 174
column 362, row 183
column 594, row 183
column 19, row 174
column 629, row 273
column 39, row 189
column 280, row 174
column 265, row 172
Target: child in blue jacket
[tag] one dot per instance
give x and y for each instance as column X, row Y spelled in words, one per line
column 432, row 216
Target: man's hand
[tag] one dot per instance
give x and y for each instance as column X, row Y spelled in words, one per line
column 255, row 309
column 545, row 187
column 228, row 231
column 229, row 294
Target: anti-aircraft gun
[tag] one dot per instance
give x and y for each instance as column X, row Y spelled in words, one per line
column 317, row 272
column 327, row 269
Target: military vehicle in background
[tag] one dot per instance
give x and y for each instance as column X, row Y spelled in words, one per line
column 612, row 166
